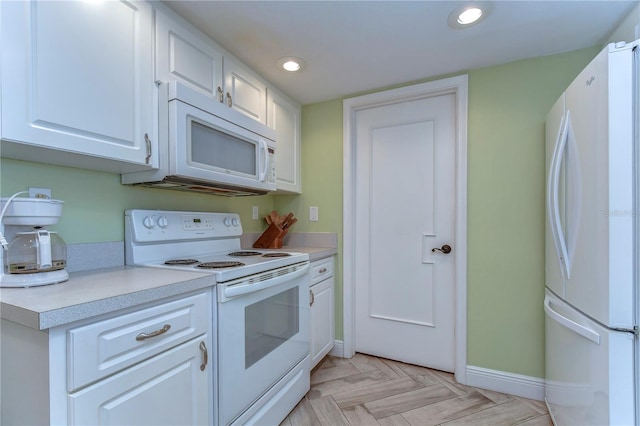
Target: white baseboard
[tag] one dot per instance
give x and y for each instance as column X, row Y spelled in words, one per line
column 502, row 381
column 338, row 349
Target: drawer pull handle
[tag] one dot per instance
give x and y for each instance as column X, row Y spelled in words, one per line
column 323, row 270
column 205, row 356
column 312, row 297
column 143, row 336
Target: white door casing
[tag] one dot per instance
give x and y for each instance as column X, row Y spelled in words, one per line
column 356, row 108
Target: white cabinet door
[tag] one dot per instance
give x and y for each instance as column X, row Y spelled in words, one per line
column 285, row 117
column 77, row 83
column 322, row 309
column 244, row 91
column 322, row 313
column 185, row 55
column 169, row 389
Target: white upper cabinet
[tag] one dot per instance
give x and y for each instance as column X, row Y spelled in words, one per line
column 77, row 84
column 185, row 54
column 244, row 91
column 285, row 117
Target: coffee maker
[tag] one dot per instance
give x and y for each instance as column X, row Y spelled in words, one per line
column 34, row 256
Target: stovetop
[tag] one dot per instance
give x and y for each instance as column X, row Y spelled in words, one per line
column 197, row 241
column 226, row 267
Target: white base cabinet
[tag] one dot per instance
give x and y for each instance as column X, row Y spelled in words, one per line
column 77, row 83
column 165, row 390
column 149, row 366
column 322, row 309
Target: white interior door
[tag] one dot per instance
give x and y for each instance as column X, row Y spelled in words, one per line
column 404, row 208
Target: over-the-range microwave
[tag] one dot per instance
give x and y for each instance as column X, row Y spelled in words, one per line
column 205, row 146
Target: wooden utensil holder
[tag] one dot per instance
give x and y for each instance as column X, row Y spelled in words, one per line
column 271, row 237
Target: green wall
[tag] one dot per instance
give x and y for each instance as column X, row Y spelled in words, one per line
column 507, row 107
column 94, row 202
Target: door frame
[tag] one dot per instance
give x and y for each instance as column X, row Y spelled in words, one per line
column 454, row 85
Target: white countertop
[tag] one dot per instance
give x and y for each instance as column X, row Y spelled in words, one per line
column 90, row 293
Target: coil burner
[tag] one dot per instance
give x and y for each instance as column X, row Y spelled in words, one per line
column 244, row 253
column 180, row 262
column 218, row 265
column 276, row 255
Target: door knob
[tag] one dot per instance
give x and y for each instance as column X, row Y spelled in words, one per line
column 444, row 249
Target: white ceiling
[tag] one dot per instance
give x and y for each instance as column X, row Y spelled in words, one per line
column 356, row 46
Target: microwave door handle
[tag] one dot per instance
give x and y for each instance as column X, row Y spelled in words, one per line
column 265, row 160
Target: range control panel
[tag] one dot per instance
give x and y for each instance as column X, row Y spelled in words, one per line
column 164, row 225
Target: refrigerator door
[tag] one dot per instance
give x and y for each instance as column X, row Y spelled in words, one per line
column 599, row 190
column 554, row 268
column 589, row 369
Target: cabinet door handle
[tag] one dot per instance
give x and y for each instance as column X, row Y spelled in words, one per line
column 205, row 356
column 312, row 297
column 144, row 336
column 229, row 100
column 322, row 271
column 148, row 142
column 220, row 95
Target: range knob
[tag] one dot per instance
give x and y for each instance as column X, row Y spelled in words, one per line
column 235, row 221
column 148, row 222
column 227, row 221
column 163, row 222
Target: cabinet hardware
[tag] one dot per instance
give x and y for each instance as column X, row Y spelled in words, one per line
column 148, row 142
column 322, row 271
column 205, row 356
column 312, row 297
column 229, row 100
column 143, row 336
column 220, row 95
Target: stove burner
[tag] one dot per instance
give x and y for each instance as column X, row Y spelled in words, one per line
column 276, row 255
column 180, row 262
column 244, row 253
column 217, row 265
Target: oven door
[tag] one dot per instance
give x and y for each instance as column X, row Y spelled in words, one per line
column 263, row 332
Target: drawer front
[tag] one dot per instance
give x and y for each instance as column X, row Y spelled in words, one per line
column 321, row 270
column 102, row 348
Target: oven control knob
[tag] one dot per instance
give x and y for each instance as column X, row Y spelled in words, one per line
column 235, row 221
column 148, row 222
column 163, row 222
column 227, row 222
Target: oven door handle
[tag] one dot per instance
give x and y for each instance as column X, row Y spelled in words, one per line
column 240, row 289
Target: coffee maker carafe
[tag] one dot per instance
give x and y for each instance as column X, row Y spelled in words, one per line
column 35, row 256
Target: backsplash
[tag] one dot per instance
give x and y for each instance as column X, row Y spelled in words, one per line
column 87, row 256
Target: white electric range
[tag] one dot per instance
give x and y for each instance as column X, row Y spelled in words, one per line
column 261, row 312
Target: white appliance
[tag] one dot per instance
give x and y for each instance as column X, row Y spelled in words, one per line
column 262, row 312
column 35, row 256
column 207, row 147
column 592, row 244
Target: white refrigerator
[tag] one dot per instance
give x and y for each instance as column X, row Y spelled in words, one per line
column 592, row 246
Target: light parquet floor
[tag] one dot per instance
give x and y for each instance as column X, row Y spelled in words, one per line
column 366, row 390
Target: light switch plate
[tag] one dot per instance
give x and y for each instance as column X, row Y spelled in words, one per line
column 313, row 214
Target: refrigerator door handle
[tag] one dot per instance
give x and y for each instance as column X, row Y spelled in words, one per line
column 571, row 325
column 554, row 189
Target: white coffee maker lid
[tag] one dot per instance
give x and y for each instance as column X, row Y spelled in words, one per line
column 31, row 211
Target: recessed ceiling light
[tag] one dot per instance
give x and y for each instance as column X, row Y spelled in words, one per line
column 291, row 64
column 469, row 15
